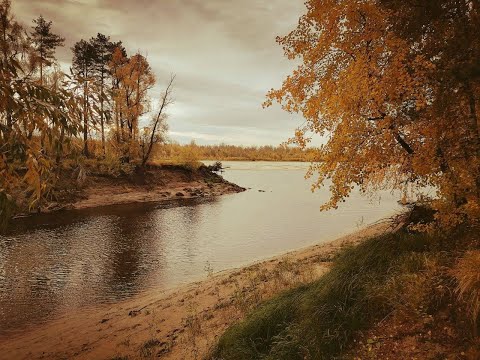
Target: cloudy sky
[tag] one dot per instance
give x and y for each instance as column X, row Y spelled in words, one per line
column 223, row 53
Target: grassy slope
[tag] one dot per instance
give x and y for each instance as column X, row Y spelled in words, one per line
column 394, row 276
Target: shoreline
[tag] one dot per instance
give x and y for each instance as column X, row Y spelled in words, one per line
column 155, row 194
column 159, row 184
column 180, row 322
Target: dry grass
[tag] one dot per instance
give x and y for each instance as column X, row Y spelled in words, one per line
column 401, row 278
column 467, row 274
column 235, row 297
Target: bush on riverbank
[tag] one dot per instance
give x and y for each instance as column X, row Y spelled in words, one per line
column 401, row 280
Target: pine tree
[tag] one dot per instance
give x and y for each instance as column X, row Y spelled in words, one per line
column 103, row 54
column 45, row 42
column 84, row 54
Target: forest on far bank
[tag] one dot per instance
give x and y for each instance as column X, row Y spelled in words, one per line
column 182, row 153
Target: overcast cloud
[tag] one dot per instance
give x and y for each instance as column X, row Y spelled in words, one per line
column 223, row 53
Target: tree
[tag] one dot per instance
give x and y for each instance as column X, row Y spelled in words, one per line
column 25, row 108
column 155, row 133
column 139, row 80
column 118, row 60
column 103, row 55
column 12, row 43
column 448, row 32
column 45, row 42
column 392, row 89
column 83, row 62
column 135, row 79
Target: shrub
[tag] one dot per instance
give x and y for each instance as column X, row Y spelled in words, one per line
column 188, row 158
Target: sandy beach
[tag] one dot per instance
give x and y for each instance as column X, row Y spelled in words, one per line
column 179, row 323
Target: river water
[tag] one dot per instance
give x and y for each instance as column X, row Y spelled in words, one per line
column 59, row 262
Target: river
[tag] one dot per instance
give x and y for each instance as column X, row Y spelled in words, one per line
column 55, row 263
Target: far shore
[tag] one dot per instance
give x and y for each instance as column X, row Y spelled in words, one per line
column 182, row 322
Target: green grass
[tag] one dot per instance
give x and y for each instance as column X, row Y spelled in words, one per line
column 364, row 285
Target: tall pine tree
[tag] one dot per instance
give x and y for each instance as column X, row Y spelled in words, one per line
column 84, row 55
column 45, row 42
column 103, row 54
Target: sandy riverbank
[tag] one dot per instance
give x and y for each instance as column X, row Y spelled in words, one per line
column 129, row 194
column 181, row 323
column 155, row 184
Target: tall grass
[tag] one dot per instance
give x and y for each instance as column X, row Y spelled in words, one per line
column 467, row 274
column 366, row 283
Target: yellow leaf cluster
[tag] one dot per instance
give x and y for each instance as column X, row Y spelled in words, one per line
column 393, row 93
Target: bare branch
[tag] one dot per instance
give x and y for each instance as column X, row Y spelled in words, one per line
column 165, row 101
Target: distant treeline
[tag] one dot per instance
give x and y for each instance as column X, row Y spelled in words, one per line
column 168, row 152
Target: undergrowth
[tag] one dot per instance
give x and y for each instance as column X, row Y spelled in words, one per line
column 403, row 273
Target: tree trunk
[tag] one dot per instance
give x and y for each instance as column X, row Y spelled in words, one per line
column 41, row 72
column 122, row 127
column 60, row 151
column 475, row 129
column 102, row 125
column 85, row 120
column 117, row 125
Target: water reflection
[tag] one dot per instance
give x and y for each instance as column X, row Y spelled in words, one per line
column 54, row 263
column 59, row 261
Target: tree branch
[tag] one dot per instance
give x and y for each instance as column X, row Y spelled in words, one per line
column 403, row 143
column 397, row 134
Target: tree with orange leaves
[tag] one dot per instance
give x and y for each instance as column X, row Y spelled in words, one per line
column 133, row 78
column 392, row 90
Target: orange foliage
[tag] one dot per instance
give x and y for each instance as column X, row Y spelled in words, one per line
column 393, row 89
column 133, row 78
column 231, row 152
